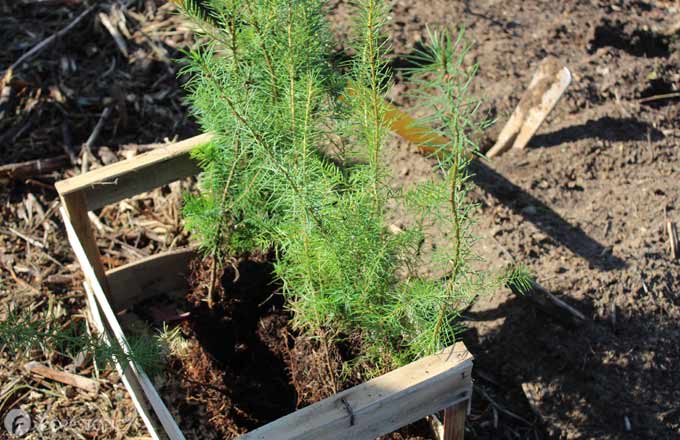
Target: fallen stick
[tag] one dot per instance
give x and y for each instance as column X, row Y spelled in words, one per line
column 27, row 239
column 86, row 150
column 75, row 380
column 47, row 41
column 658, row 97
column 89, row 143
column 19, row 281
column 501, row 408
column 117, row 37
column 33, row 168
column 673, row 239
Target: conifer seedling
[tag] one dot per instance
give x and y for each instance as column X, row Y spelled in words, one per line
column 297, row 167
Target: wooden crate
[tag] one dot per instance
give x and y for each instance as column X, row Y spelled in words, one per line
column 439, row 382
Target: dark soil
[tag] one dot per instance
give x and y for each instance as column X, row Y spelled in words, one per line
column 245, row 366
column 234, row 376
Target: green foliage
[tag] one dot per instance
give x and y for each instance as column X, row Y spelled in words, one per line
column 296, row 166
column 22, row 332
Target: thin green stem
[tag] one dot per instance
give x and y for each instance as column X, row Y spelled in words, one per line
column 291, row 67
column 267, row 57
column 372, row 60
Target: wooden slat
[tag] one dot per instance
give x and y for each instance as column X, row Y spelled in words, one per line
column 164, row 273
column 76, row 211
column 454, row 421
column 381, row 405
column 127, row 178
column 113, row 326
column 129, row 380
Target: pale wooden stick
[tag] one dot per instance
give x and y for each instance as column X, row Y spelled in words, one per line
column 544, row 91
column 514, row 124
column 75, row 380
column 509, row 131
column 537, row 114
column 673, row 239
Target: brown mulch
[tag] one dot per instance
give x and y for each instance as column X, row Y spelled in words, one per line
column 50, row 106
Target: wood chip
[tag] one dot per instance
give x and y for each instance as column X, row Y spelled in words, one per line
column 75, row 380
column 673, row 239
column 545, row 89
column 533, row 393
column 113, row 30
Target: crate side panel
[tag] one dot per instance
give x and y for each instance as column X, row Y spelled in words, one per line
column 161, row 274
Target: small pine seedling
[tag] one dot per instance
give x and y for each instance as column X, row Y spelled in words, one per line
column 23, row 332
column 297, row 166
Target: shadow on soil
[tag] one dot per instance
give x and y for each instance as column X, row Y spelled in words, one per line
column 583, row 381
column 605, row 128
column 544, row 217
column 639, row 42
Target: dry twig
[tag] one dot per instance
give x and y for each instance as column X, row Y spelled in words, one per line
column 49, row 40
column 75, row 380
column 113, row 30
column 673, row 239
column 32, row 168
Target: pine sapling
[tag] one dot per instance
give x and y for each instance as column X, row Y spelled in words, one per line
column 264, row 83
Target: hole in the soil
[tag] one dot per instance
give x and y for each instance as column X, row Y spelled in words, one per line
column 236, row 374
column 658, row 88
column 639, row 43
column 243, row 334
